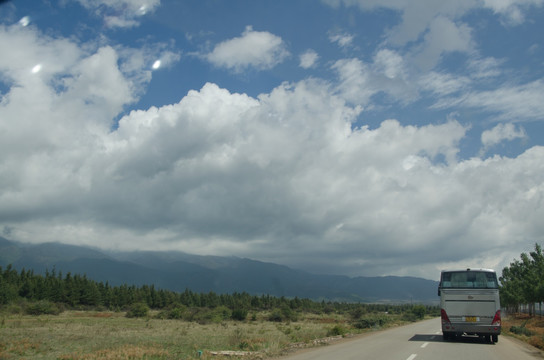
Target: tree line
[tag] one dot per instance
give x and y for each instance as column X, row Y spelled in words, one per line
column 522, row 283
column 79, row 292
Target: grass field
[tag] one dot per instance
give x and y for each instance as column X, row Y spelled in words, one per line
column 111, row 335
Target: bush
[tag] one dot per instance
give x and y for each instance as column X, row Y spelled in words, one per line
column 42, row 307
column 419, row 311
column 288, row 313
column 177, row 312
column 521, row 330
column 285, row 313
column 276, row 316
column 239, row 314
column 409, row 316
column 205, row 315
column 371, row 321
column 14, row 309
column 138, row 310
column 357, row 313
column 336, row 330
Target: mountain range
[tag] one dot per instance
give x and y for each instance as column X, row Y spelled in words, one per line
column 178, row 271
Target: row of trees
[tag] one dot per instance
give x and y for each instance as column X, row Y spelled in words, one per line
column 522, row 283
column 77, row 291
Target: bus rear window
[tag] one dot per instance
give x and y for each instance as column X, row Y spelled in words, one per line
column 469, row 279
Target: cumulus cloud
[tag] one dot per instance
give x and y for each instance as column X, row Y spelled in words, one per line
column 254, row 49
column 502, row 132
column 285, row 176
column 308, row 59
column 390, row 63
column 120, row 13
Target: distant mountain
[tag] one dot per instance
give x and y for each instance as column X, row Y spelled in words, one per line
column 178, row 271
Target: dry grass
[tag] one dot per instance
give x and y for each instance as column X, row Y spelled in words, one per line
column 124, row 352
column 109, row 335
column 534, row 325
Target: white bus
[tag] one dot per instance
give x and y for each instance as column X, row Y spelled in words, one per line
column 470, row 305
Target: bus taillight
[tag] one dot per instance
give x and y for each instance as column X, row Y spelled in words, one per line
column 445, row 319
column 497, row 318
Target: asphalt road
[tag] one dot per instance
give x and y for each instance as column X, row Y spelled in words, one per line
column 420, row 341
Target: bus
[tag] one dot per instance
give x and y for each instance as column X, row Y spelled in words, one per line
column 469, row 304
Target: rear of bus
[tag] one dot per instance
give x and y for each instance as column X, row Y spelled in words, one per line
column 470, row 305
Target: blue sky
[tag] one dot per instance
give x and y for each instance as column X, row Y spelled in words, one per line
column 357, row 137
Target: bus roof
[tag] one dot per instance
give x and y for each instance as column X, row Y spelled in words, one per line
column 469, row 269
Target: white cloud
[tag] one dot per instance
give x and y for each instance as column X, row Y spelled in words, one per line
column 308, row 59
column 500, row 133
column 418, row 14
column 512, row 10
column 259, row 49
column 359, row 81
column 430, row 28
column 282, row 177
column 509, row 103
column 443, row 83
column 390, row 63
column 343, row 40
column 354, row 81
column 443, row 36
column 120, row 13
column 484, row 68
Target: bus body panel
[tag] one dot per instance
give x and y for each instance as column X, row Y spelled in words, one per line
column 469, row 310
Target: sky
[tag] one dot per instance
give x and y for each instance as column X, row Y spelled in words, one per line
column 354, row 137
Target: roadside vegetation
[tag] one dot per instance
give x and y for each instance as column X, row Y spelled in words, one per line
column 53, row 316
column 525, row 327
column 522, row 283
column 522, row 295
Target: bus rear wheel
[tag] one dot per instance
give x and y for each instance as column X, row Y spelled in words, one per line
column 495, row 338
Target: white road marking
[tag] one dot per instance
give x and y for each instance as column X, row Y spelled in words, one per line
column 424, row 345
column 412, row 357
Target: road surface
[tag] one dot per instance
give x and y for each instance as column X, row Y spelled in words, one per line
column 420, row 341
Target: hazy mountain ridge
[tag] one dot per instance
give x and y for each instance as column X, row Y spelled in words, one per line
column 178, row 271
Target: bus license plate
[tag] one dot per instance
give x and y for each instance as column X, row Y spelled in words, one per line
column 471, row 319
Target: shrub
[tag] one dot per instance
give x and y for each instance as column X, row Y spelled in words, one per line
column 42, row 307
column 419, row 311
column 284, row 313
column 276, row 316
column 239, row 314
column 409, row 316
column 138, row 310
column 14, row 309
column 162, row 315
column 357, row 313
column 521, row 330
column 177, row 312
column 205, row 315
column 371, row 321
column 288, row 313
column 336, row 330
